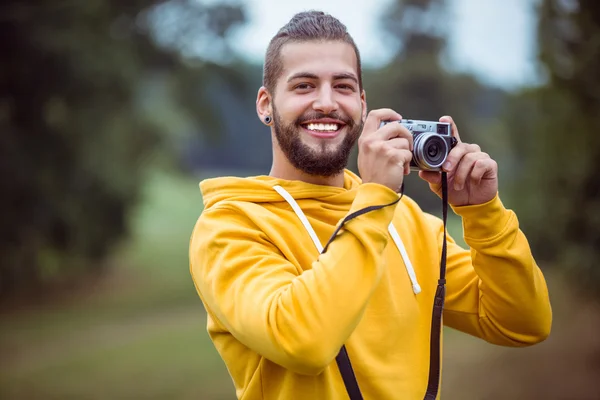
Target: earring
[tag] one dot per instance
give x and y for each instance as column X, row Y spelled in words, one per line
column 267, row 120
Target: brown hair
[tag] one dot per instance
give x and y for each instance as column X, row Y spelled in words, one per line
column 305, row 26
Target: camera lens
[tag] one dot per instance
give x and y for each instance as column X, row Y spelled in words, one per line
column 430, row 151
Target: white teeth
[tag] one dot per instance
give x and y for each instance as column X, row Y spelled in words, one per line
column 323, row 127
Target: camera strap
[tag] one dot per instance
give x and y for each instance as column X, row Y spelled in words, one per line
column 342, row 359
column 435, row 355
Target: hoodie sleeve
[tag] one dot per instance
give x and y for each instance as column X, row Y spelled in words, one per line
column 299, row 321
column 495, row 291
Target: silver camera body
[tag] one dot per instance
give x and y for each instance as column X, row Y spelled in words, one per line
column 432, row 142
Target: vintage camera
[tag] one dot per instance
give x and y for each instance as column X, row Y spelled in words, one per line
column 432, row 142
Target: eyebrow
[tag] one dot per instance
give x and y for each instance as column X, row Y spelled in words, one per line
column 345, row 75
column 308, row 75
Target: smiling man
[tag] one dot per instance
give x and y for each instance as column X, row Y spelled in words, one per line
column 312, row 264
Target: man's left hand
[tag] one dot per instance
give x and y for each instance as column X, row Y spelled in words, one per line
column 472, row 174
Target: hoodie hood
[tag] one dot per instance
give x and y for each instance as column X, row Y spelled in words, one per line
column 259, row 189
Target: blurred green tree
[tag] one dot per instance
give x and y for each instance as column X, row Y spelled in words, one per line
column 88, row 92
column 554, row 130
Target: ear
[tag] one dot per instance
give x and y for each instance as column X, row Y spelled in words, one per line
column 363, row 100
column 264, row 108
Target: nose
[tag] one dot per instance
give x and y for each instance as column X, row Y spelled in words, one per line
column 325, row 101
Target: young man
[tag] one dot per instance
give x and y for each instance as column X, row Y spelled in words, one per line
column 279, row 311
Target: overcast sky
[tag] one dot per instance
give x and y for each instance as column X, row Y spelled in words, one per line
column 494, row 39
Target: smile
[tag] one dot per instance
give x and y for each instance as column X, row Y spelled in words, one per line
column 326, row 128
column 323, row 131
column 323, row 127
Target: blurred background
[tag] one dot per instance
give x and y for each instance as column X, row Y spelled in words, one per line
column 111, row 112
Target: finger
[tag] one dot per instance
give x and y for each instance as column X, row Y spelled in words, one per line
column 400, row 157
column 396, row 150
column 457, row 153
column 464, row 168
column 400, row 143
column 404, row 157
column 434, row 179
column 449, row 119
column 375, row 118
column 483, row 168
column 394, row 130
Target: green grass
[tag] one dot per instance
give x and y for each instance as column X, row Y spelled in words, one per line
column 139, row 332
column 147, row 361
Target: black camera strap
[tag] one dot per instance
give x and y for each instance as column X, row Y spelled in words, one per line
column 438, row 306
column 343, row 360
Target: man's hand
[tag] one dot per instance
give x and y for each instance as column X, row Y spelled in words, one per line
column 472, row 174
column 384, row 153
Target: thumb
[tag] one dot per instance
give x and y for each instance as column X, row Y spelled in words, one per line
column 433, row 178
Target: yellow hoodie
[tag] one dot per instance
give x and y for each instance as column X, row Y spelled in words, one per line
column 278, row 313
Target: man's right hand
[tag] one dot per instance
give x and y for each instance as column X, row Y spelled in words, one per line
column 384, row 154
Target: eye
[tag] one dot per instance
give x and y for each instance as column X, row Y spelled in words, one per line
column 345, row 87
column 302, row 86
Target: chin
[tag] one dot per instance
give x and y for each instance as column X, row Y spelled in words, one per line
column 322, row 142
column 324, row 149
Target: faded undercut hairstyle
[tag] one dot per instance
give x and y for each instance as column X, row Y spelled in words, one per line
column 304, row 27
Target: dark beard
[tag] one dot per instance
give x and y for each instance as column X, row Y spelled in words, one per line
column 322, row 163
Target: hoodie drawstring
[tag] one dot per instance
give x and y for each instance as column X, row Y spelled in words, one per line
column 392, row 230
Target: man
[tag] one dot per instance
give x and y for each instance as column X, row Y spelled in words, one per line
column 279, row 312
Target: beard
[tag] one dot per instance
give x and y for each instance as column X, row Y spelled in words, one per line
column 327, row 160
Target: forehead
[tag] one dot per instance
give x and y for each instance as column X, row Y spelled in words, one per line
column 319, row 58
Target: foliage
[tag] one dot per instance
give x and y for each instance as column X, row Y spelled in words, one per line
column 555, row 129
column 85, row 92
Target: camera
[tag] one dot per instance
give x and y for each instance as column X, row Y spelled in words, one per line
column 432, row 142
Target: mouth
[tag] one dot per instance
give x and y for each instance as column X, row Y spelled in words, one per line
column 323, row 128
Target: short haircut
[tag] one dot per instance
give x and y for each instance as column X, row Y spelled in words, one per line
column 304, row 27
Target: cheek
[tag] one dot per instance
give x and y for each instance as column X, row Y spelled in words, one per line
column 289, row 111
column 354, row 109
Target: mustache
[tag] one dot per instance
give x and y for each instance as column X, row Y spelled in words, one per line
column 317, row 115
